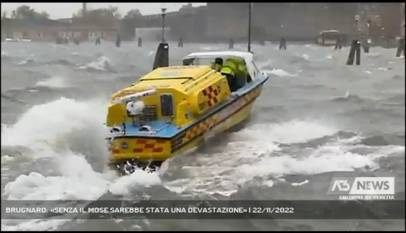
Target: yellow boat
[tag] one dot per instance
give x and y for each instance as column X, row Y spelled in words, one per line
column 172, row 109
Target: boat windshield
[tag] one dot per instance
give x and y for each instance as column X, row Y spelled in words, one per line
column 199, row 61
column 209, row 60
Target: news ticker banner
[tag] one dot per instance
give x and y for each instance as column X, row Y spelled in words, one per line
column 202, row 209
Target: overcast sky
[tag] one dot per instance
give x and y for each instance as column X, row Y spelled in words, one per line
column 65, row 10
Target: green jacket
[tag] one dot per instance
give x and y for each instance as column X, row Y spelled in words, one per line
column 236, row 65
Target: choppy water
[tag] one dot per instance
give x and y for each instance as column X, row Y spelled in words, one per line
column 316, row 119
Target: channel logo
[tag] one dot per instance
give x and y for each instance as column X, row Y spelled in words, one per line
column 362, row 186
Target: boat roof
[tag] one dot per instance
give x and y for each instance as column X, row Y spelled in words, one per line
column 248, row 57
column 176, row 77
column 173, row 72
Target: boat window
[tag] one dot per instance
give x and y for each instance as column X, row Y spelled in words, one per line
column 166, row 105
column 249, row 79
column 199, row 61
column 255, row 67
column 149, row 113
column 188, row 61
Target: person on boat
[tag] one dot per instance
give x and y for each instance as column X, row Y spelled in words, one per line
column 228, row 72
column 218, row 64
column 236, row 72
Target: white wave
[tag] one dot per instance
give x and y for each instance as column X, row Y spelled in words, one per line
column 338, row 155
column 388, row 150
column 48, row 124
column 350, row 141
column 269, row 183
column 329, row 56
column 280, row 73
column 102, row 63
column 323, row 159
column 77, row 181
column 294, row 131
column 32, row 90
column 263, row 64
column 384, row 68
column 26, row 61
column 54, row 82
column 45, row 129
column 373, row 54
column 140, row 178
column 33, row 225
column 223, row 172
column 6, row 158
column 255, row 152
column 347, row 95
column 300, row 183
column 367, row 72
column 305, row 56
column 177, row 186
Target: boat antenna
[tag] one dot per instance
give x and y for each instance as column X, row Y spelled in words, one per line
column 163, row 24
column 162, row 53
column 249, row 26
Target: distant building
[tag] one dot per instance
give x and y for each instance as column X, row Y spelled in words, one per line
column 189, row 23
column 270, row 21
column 51, row 30
column 217, row 22
column 84, row 32
column 89, row 29
column 35, row 30
column 65, row 20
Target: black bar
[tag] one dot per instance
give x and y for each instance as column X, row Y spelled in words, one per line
column 159, row 209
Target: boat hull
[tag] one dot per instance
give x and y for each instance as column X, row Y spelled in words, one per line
column 160, row 149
